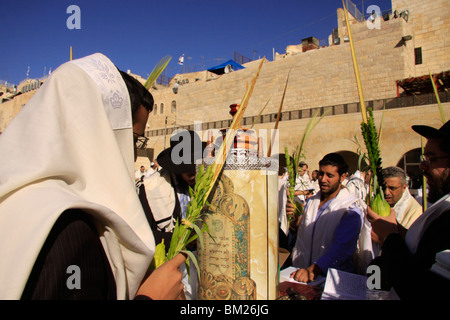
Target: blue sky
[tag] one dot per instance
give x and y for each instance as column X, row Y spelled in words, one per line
column 136, row 34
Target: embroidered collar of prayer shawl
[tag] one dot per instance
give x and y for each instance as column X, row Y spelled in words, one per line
column 401, row 204
column 415, row 232
column 78, row 122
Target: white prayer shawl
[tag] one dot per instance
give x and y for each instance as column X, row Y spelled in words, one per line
column 302, row 184
column 357, row 186
column 78, row 122
column 315, row 237
column 161, row 198
column 139, row 174
column 415, row 232
column 407, row 209
column 282, row 200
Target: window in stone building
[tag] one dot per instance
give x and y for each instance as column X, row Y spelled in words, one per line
column 418, row 55
column 155, row 109
column 161, row 109
column 410, row 162
column 174, row 106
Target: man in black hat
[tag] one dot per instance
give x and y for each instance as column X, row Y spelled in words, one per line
column 165, row 194
column 409, row 263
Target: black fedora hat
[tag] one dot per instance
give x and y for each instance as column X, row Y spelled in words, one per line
column 186, row 148
column 433, row 133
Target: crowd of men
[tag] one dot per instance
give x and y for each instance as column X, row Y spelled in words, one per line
column 339, row 230
column 61, row 211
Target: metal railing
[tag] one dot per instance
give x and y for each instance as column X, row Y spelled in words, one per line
column 388, row 103
column 353, row 10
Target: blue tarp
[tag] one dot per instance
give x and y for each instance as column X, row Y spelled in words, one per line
column 221, row 67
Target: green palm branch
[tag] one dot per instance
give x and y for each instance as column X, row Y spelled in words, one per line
column 204, row 183
column 156, row 72
column 292, row 161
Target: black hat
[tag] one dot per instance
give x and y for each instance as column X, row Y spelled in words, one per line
column 433, row 133
column 174, row 158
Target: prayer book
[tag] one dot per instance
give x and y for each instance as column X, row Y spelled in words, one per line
column 442, row 264
column 341, row 285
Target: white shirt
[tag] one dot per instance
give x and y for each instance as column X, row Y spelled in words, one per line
column 81, row 113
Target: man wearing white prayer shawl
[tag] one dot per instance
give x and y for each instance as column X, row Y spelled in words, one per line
column 67, row 230
column 406, row 261
column 329, row 231
column 357, row 186
column 397, row 194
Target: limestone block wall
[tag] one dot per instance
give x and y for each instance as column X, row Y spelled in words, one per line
column 336, row 133
column 321, row 77
column 9, row 109
column 431, row 26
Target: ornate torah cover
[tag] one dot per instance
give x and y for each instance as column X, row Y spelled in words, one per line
column 240, row 261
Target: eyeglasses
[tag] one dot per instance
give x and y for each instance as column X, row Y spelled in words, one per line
column 140, row 141
column 430, row 159
column 392, row 188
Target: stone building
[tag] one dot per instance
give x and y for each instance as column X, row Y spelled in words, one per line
column 396, row 54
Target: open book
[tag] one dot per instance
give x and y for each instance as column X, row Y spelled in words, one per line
column 341, row 285
column 442, row 265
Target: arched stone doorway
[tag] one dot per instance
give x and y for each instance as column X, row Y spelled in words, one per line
column 410, row 162
column 351, row 159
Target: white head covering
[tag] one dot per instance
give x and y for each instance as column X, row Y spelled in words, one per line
column 78, row 122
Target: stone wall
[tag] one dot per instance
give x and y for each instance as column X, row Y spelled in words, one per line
column 9, row 109
column 317, row 78
column 336, row 133
column 430, row 21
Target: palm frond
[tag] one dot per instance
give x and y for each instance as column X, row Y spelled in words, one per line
column 355, row 66
column 231, row 132
column 381, row 125
column 437, row 99
column 370, row 135
column 278, row 115
column 259, row 114
column 424, row 184
column 156, row 72
column 292, row 164
column 311, row 125
column 204, row 183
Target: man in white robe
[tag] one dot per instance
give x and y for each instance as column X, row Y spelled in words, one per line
column 397, row 194
column 330, row 227
column 82, row 114
column 408, row 256
column 357, row 185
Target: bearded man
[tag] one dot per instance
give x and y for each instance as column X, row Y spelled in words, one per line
column 407, row 262
column 330, row 226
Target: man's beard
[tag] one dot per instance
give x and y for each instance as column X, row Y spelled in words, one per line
column 332, row 189
column 439, row 188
